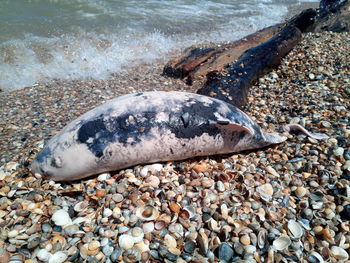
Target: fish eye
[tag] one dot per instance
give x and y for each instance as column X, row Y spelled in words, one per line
column 57, row 162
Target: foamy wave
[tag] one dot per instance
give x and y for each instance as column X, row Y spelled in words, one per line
column 83, row 55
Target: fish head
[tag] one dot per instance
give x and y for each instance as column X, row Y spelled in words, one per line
column 64, row 164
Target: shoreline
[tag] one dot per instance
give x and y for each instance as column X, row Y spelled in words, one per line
column 291, row 195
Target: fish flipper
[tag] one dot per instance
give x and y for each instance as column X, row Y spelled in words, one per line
column 297, row 127
column 230, row 126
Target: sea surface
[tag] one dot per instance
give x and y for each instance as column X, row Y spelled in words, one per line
column 42, row 40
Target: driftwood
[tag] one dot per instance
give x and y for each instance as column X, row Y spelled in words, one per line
column 199, row 61
column 231, row 69
column 232, row 84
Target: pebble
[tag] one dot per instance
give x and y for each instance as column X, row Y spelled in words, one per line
column 61, row 217
column 225, row 252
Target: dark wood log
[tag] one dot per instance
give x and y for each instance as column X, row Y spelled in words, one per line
column 198, row 61
column 232, row 85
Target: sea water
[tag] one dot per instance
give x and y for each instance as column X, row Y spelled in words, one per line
column 91, row 39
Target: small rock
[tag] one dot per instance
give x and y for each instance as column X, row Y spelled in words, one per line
column 265, row 191
column 58, row 257
column 200, row 167
column 225, row 252
column 339, row 151
column 61, row 218
column 339, row 253
column 190, row 246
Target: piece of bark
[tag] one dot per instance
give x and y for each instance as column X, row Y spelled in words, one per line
column 199, row 61
column 333, row 16
column 232, row 85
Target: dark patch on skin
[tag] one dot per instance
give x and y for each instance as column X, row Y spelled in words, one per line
column 223, row 122
column 120, row 129
column 43, row 155
column 129, row 129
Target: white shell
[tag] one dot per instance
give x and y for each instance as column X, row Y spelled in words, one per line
column 126, row 241
column 148, row 227
column 58, row 257
column 339, row 253
column 137, row 234
column 282, row 242
column 296, row 231
column 317, row 256
column 170, row 241
column 43, row 255
column 147, row 213
column 61, row 218
column 265, row 191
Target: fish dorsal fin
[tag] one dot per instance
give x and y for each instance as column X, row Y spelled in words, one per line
column 231, row 126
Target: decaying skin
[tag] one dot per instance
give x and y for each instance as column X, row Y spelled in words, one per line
column 148, row 127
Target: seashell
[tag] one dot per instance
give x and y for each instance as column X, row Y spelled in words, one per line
column 153, row 181
column 61, row 218
column 272, row 171
column 174, row 207
column 142, row 247
column 94, row 245
column 200, row 167
column 103, row 177
column 190, row 211
column 126, row 241
column 58, row 257
column 147, row 213
column 107, row 212
column 59, row 239
column 339, row 253
column 262, row 238
column 282, row 242
column 81, row 206
column 249, row 249
column 117, row 198
column 170, row 241
column 159, row 225
column 245, row 239
column 148, row 227
column 174, row 251
column 213, row 225
column 265, row 191
column 203, row 242
column 43, row 255
column 295, row 230
column 316, row 196
column 315, row 257
column 137, row 234
column 300, row 191
column 224, row 211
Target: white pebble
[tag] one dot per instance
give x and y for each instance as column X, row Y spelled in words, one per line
column 61, row 218
column 103, row 177
column 43, row 255
column 107, row 212
column 144, row 172
column 58, row 257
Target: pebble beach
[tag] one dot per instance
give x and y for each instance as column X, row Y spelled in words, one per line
column 285, row 203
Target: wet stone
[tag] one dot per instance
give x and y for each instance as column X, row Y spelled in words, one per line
column 46, row 228
column 116, row 254
column 345, row 214
column 154, row 254
column 190, row 246
column 225, row 252
column 171, row 256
